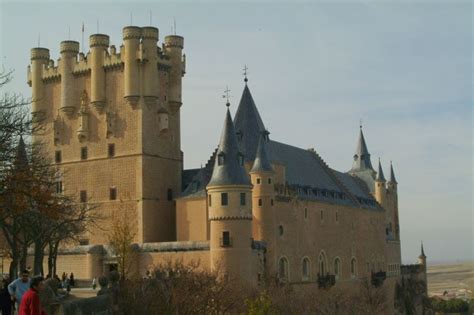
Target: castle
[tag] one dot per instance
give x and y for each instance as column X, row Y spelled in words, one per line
column 258, row 207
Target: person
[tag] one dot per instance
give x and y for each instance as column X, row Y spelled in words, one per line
column 94, row 283
column 5, row 301
column 18, row 287
column 31, row 304
column 71, row 279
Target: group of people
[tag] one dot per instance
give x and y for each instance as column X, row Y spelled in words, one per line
column 23, row 294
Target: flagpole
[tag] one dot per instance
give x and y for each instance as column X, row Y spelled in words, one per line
column 82, row 42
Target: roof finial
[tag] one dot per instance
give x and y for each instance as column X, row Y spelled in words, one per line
column 227, row 96
column 245, row 74
column 360, row 123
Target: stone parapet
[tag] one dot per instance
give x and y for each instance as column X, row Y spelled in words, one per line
column 99, row 40
column 174, row 41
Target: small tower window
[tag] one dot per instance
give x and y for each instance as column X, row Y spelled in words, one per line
column 306, row 267
column 226, row 241
column 280, row 230
column 306, row 213
column 241, row 159
column 170, row 194
column 210, row 200
column 58, row 156
column 271, row 202
column 258, row 181
column 220, row 159
column 113, row 193
column 242, row 199
column 224, row 199
column 260, row 202
column 269, row 180
column 84, row 153
column 283, row 269
column 83, row 196
column 111, row 150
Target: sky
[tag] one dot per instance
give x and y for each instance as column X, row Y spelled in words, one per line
column 315, row 70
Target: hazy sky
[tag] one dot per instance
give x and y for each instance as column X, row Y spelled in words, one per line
column 315, row 68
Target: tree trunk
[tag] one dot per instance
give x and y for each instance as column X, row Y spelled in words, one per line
column 50, row 260
column 23, row 256
column 38, row 259
column 55, row 256
column 13, row 271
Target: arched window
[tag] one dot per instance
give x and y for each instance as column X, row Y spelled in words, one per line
column 283, row 268
column 337, row 267
column 306, row 269
column 280, row 230
column 322, row 264
column 353, row 267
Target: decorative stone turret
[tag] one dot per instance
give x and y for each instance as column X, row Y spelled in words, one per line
column 150, row 64
column 99, row 43
column 68, row 50
column 163, row 120
column 131, row 39
column 380, row 189
column 230, row 210
column 263, row 224
column 83, row 131
column 39, row 58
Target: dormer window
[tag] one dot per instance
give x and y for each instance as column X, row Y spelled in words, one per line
column 220, row 159
column 241, row 159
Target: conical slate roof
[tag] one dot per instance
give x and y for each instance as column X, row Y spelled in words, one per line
column 228, row 167
column 248, row 124
column 362, row 155
column 380, row 177
column 21, row 158
column 422, row 251
column 392, row 178
column 262, row 164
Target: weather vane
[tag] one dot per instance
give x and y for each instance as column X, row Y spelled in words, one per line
column 227, row 96
column 245, row 74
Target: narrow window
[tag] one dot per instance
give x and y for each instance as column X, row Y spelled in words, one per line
column 241, row 159
column 258, row 181
column 269, row 180
column 224, row 199
column 111, row 149
column 210, row 200
column 283, row 268
column 260, row 202
column 242, row 199
column 83, row 196
column 220, row 159
column 322, row 265
column 58, row 156
column 59, row 187
column 337, row 267
column 337, row 216
column 170, row 194
column 84, row 153
column 305, row 270
column 226, row 241
column 322, row 215
column 353, row 267
column 271, row 202
column 305, row 213
column 280, row 230
column 113, row 193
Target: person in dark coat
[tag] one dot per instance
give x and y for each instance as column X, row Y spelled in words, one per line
column 71, row 279
column 6, row 304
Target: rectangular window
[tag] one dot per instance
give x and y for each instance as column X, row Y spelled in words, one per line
column 59, row 187
column 224, row 199
column 337, row 216
column 58, row 157
column 210, row 200
column 84, row 153
column 226, row 241
column 305, row 213
column 83, row 196
column 269, row 180
column 242, row 199
column 113, row 193
column 170, row 194
column 258, row 181
column 271, row 202
column 260, row 202
column 111, row 150
column 322, row 215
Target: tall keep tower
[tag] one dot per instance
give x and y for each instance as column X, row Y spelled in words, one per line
column 112, row 125
column 230, row 210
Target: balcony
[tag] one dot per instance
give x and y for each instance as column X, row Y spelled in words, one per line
column 377, row 278
column 327, row 281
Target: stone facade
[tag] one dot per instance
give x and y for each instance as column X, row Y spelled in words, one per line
column 112, row 125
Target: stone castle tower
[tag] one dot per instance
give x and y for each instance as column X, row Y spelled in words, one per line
column 112, row 122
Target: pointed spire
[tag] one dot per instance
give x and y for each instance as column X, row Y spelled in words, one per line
column 380, row 177
column 229, row 167
column 21, row 158
column 261, row 163
column 362, row 155
column 248, row 125
column 422, row 251
column 392, row 178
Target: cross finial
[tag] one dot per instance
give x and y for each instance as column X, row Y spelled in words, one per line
column 245, row 74
column 227, row 96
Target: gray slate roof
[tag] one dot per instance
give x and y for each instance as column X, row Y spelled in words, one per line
column 392, row 178
column 306, row 172
column 362, row 155
column 380, row 177
column 262, row 163
column 231, row 171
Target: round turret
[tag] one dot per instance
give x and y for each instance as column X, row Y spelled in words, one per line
column 99, row 43
column 150, row 68
column 131, row 38
column 69, row 50
column 39, row 58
